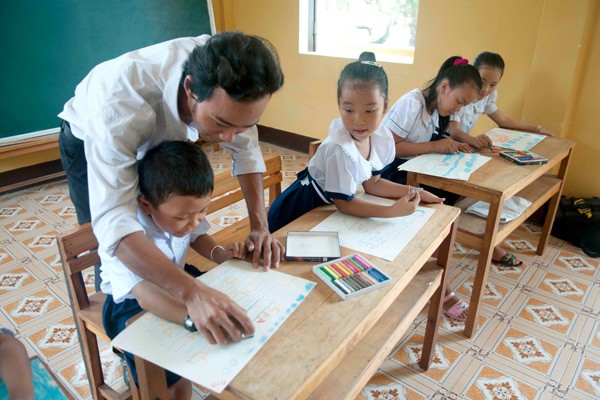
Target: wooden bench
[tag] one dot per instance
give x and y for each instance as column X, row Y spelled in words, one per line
column 78, row 251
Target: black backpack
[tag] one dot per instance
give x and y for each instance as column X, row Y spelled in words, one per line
column 590, row 242
column 572, row 224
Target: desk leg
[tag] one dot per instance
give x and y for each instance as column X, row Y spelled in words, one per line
column 483, row 265
column 444, row 255
column 152, row 380
column 552, row 207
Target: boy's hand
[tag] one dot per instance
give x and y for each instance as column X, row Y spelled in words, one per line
column 264, row 245
column 216, row 316
column 236, row 250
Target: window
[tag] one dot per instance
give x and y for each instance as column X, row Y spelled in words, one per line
column 345, row 28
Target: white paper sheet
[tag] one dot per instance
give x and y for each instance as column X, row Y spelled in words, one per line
column 451, row 166
column 513, row 140
column 268, row 297
column 382, row 237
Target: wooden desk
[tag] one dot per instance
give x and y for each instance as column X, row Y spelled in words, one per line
column 496, row 181
column 329, row 348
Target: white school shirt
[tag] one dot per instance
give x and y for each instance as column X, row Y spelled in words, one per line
column 409, row 119
column 339, row 169
column 118, row 280
column 124, row 107
column 471, row 112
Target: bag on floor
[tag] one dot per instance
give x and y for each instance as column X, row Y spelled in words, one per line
column 590, row 243
column 573, row 221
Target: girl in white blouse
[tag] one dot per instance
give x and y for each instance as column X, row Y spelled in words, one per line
column 355, row 153
column 491, row 68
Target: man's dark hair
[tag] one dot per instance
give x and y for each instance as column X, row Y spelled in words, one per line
column 175, row 168
column 246, row 67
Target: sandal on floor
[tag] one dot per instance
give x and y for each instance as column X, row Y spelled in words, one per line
column 457, row 309
column 509, row 260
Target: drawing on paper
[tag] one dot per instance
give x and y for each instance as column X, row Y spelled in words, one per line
column 451, row 166
column 513, row 140
column 268, row 297
column 381, row 237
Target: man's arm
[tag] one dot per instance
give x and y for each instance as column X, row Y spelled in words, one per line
column 260, row 241
column 213, row 312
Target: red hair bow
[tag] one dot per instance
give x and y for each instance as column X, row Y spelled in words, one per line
column 460, row 61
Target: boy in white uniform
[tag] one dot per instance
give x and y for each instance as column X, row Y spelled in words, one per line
column 176, row 182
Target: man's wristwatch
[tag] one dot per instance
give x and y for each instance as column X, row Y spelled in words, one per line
column 189, row 324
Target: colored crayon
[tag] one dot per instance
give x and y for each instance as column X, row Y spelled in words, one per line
column 350, row 265
column 377, row 275
column 359, row 281
column 339, row 270
column 364, row 280
column 332, row 271
column 365, row 275
column 345, row 268
column 351, row 283
column 360, row 259
column 341, row 287
column 356, row 264
column 345, row 284
column 327, row 274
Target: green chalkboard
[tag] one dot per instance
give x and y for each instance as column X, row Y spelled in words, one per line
column 48, row 46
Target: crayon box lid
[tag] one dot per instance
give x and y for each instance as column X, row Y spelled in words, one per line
column 312, row 246
column 348, row 286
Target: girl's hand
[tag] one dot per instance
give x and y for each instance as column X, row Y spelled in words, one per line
column 236, row 250
column 482, row 141
column 429, row 197
column 449, row 146
column 406, row 205
column 542, row 131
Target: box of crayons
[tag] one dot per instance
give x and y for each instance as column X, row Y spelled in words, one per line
column 351, row 275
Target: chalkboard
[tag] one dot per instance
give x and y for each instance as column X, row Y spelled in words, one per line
column 48, row 46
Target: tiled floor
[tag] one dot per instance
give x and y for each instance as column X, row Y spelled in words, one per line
column 539, row 335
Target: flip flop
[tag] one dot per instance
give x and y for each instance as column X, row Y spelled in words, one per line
column 509, row 260
column 457, row 308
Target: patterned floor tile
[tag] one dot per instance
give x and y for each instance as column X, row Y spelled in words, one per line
column 538, row 336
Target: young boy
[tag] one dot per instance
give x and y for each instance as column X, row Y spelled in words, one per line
column 176, row 182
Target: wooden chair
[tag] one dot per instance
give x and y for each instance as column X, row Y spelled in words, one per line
column 78, row 252
column 313, row 146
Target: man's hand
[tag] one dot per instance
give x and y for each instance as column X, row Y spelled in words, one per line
column 264, row 245
column 216, row 316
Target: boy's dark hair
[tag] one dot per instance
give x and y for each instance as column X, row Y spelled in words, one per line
column 175, row 168
column 246, row 67
column 489, row 59
column 457, row 75
column 362, row 73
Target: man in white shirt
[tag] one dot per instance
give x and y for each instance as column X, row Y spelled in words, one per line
column 213, row 88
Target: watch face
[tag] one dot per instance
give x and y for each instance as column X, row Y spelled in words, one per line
column 189, row 324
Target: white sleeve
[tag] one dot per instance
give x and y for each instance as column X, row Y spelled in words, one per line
column 112, row 137
column 457, row 116
column 490, row 105
column 340, row 175
column 401, row 119
column 245, row 153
